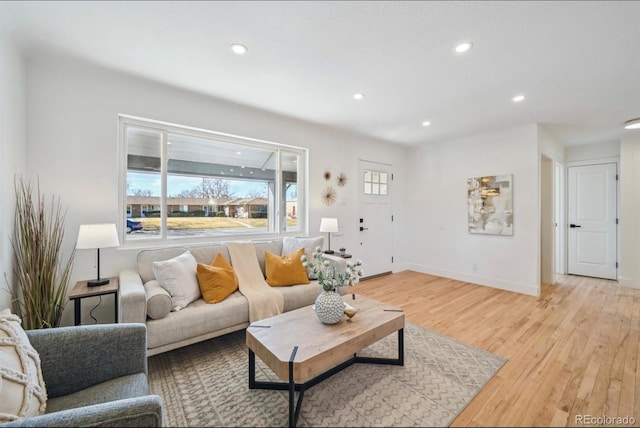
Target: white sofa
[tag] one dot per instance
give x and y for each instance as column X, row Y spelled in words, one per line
column 199, row 320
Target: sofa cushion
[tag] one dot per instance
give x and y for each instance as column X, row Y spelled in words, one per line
column 178, row 277
column 159, row 301
column 200, row 319
column 290, row 244
column 145, row 259
column 274, row 247
column 22, row 389
column 206, row 253
column 285, row 270
column 217, row 280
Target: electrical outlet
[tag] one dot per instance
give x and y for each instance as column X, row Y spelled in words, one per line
column 475, row 267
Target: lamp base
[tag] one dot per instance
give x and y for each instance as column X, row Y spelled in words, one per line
column 97, row 282
column 329, row 252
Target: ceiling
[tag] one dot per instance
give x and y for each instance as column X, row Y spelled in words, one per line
column 577, row 63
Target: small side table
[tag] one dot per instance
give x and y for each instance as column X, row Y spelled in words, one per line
column 82, row 290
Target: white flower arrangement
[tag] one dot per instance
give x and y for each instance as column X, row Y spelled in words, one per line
column 331, row 280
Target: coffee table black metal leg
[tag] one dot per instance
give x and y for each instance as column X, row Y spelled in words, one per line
column 391, row 361
column 294, row 408
column 296, row 405
column 401, row 346
column 252, row 369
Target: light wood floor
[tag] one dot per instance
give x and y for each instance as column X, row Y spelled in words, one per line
column 572, row 351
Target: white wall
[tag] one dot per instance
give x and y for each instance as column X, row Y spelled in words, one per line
column 12, row 149
column 629, row 228
column 440, row 243
column 549, row 146
column 72, row 110
column 584, row 152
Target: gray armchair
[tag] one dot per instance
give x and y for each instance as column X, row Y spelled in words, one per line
column 95, row 375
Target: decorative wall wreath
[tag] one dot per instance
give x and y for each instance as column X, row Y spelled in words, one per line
column 328, row 196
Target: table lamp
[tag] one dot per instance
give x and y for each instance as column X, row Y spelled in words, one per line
column 97, row 236
column 329, row 225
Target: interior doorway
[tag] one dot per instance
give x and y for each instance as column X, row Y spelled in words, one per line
column 592, row 217
column 548, row 221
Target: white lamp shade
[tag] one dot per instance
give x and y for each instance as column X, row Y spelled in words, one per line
column 97, row 236
column 329, row 225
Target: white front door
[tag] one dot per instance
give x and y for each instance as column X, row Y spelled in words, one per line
column 592, row 219
column 375, row 220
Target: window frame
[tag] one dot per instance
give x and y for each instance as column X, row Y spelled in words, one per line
column 165, row 128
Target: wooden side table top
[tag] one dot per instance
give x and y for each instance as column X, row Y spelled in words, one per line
column 81, row 289
column 320, row 346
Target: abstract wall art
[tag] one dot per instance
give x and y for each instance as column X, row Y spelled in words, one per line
column 490, row 205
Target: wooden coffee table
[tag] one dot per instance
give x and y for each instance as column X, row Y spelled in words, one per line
column 302, row 351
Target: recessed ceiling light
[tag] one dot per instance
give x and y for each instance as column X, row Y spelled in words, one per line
column 358, row 96
column 632, row 124
column 426, row 123
column 463, row 47
column 239, row 49
column 518, row 98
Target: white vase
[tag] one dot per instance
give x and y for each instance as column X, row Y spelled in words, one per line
column 329, row 307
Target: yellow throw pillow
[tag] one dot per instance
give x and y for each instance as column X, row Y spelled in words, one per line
column 217, row 281
column 285, row 270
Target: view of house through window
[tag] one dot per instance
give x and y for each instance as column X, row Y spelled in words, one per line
column 181, row 183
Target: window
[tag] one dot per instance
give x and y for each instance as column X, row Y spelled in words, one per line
column 182, row 183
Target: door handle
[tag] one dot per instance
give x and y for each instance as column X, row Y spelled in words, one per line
column 574, row 225
column 363, row 228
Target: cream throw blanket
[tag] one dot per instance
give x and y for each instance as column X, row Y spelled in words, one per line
column 264, row 301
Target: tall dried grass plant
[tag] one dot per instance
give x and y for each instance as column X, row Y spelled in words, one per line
column 40, row 290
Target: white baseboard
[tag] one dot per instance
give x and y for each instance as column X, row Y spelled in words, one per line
column 528, row 289
column 628, row 282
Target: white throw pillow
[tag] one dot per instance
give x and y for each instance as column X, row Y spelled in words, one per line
column 22, row 389
column 289, row 245
column 178, row 277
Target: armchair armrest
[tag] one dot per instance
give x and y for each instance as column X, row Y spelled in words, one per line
column 75, row 358
column 143, row 411
column 132, row 302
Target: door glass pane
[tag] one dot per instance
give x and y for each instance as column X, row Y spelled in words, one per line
column 375, row 182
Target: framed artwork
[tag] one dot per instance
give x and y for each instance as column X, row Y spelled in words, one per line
column 490, row 205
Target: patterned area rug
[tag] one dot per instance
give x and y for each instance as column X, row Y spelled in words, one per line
column 206, row 384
